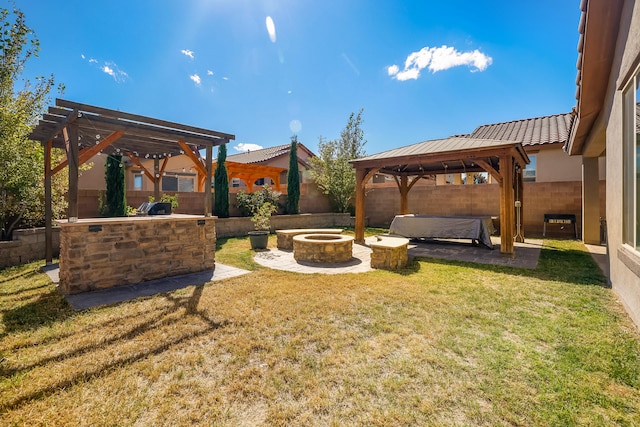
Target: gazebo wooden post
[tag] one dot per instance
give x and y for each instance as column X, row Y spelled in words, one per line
column 520, row 192
column 360, row 182
column 404, row 194
column 48, row 212
column 70, row 134
column 207, row 183
column 506, row 204
column 156, row 179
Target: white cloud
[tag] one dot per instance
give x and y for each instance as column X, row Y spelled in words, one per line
column 225, row 78
column 109, row 71
column 438, row 59
column 195, row 78
column 209, row 73
column 271, row 29
column 187, row 52
column 109, row 68
column 112, row 69
column 244, row 147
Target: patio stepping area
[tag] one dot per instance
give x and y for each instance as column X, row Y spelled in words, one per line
column 527, row 255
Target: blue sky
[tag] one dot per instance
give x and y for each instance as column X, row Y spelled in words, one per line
column 266, row 69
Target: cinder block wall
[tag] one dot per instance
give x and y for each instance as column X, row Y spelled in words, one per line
column 311, row 201
column 27, row 245
column 240, row 226
column 129, row 251
column 383, row 203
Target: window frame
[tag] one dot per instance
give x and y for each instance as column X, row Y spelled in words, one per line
column 533, row 160
column 630, row 158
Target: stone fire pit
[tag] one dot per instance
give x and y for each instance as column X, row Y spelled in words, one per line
column 322, row 248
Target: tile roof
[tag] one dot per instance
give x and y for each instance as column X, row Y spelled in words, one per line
column 258, row 156
column 536, row 131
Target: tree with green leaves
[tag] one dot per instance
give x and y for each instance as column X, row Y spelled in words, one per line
column 221, row 184
column 21, row 160
column 116, row 200
column 332, row 171
column 293, row 179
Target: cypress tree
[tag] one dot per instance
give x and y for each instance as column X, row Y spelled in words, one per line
column 116, row 192
column 221, row 184
column 293, row 179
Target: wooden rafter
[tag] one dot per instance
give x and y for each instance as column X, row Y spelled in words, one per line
column 197, row 161
column 489, row 169
column 87, row 153
column 138, row 163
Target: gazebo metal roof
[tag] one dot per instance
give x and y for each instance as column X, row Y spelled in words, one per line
column 503, row 160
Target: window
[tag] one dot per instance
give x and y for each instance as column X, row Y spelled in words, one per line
column 169, row 183
column 177, row 183
column 529, row 173
column 631, row 157
column 185, row 184
column 137, row 181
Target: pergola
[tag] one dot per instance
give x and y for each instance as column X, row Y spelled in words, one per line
column 502, row 160
column 249, row 173
column 85, row 130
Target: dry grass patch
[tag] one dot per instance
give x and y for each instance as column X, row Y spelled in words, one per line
column 439, row 343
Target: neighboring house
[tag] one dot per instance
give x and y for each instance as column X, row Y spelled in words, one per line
column 277, row 156
column 543, row 139
column 606, row 125
column 180, row 174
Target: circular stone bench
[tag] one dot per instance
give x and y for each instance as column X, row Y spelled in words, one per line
column 389, row 253
column 322, row 248
column 285, row 237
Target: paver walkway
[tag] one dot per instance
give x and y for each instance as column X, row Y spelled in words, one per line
column 283, row 260
column 124, row 293
column 527, row 255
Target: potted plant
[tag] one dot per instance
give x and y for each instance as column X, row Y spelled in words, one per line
column 262, row 223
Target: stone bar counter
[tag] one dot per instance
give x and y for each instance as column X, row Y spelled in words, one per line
column 99, row 253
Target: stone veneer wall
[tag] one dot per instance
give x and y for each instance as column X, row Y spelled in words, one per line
column 133, row 250
column 27, row 245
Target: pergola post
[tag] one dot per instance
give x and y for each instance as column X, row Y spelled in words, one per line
column 70, row 135
column 506, row 204
column 207, row 182
column 360, row 182
column 520, row 192
column 156, row 179
column 404, row 193
column 48, row 211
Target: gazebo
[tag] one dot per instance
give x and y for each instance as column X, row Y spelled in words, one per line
column 502, row 160
column 85, row 130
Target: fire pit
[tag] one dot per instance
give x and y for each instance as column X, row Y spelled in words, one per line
column 322, row 248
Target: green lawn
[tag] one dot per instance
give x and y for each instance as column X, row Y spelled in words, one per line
column 439, row 343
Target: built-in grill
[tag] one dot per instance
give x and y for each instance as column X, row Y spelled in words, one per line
column 154, row 208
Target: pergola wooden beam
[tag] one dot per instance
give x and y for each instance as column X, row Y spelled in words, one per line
column 86, row 154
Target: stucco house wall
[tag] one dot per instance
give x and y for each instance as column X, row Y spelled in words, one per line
column 555, row 165
column 624, row 260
